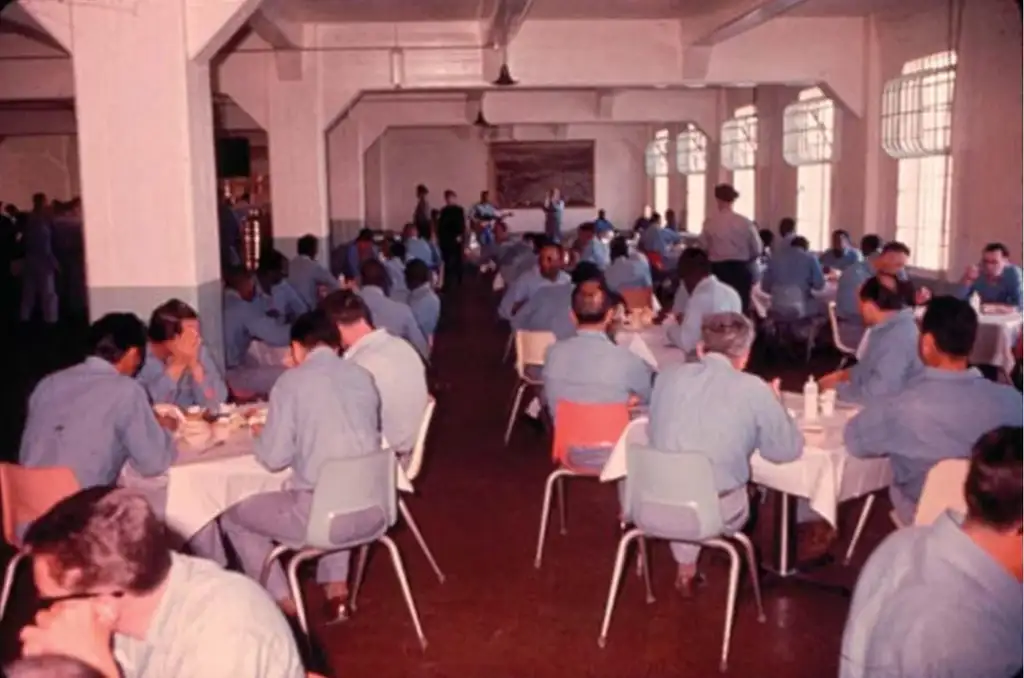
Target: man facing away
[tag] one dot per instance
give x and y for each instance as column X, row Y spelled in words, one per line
column 100, row 559
column 324, row 408
column 398, row 372
column 732, row 244
column 792, row 277
column 309, row 278
column 890, row 260
column 945, row 599
column 940, row 413
column 714, row 408
column 422, row 300
column 392, row 316
column 706, row 296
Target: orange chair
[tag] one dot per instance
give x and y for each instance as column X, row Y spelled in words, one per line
column 638, row 297
column 26, row 494
column 577, row 426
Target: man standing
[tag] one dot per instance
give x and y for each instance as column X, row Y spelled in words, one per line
column 554, row 210
column 421, row 215
column 732, row 243
column 451, row 227
column 38, row 285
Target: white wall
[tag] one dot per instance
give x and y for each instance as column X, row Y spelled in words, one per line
column 457, row 158
column 32, row 164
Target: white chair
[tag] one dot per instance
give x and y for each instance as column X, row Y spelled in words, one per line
column 413, row 470
column 862, row 520
column 354, row 504
column 531, row 351
column 673, row 497
column 943, row 489
column 833, row 321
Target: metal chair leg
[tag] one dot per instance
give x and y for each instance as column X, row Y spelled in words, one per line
column 296, row 587
column 545, row 512
column 755, row 579
column 561, row 507
column 865, row 511
column 516, row 402
column 730, row 601
column 645, row 568
column 364, row 552
column 403, row 581
column 620, row 561
column 9, row 575
column 407, row 514
column 274, row 554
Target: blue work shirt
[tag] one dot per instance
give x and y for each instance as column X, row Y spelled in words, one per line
column 658, row 240
column 710, row 296
column 426, row 308
column 628, row 273
column 401, row 379
column 284, row 300
column 525, row 286
column 184, row 393
column 92, row 419
column 305, row 275
column 396, row 273
column 553, row 213
column 418, row 248
column 245, row 322
column 395, row 317
column 596, row 252
column 711, row 408
column 889, row 361
column 940, row 414
column 792, row 275
column 1005, row 289
column 602, row 226
column 842, row 261
column 590, row 368
column 548, row 310
column 931, row 603
column 326, row 408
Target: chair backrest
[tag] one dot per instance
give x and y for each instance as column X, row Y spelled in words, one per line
column 672, row 496
column 587, row 426
column 833, row 322
column 28, row 493
column 531, row 348
column 416, row 460
column 943, row 489
column 638, row 297
column 354, row 502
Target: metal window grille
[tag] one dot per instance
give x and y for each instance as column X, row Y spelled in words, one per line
column 691, row 151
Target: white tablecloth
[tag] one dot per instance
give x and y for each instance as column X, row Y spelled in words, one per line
column 652, row 345
column 997, row 333
column 206, row 481
column 825, row 474
column 762, row 301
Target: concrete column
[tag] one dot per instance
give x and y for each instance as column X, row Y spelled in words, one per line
column 145, row 132
column 347, row 180
column 298, row 155
column 776, row 180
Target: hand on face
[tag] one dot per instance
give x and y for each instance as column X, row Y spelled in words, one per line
column 922, row 296
column 81, row 629
column 185, row 346
column 971, row 274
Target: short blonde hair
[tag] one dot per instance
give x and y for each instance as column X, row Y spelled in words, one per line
column 731, row 334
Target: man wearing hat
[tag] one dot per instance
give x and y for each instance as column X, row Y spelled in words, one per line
column 732, row 243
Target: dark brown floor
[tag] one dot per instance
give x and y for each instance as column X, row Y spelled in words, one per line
column 496, row 616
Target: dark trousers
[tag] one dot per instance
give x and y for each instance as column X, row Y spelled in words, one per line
column 736, row 274
column 451, row 253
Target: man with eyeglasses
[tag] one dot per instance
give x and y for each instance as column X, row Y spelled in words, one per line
column 997, row 281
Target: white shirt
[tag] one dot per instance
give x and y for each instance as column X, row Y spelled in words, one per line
column 214, row 624
column 728, row 236
column 709, row 296
column 401, row 379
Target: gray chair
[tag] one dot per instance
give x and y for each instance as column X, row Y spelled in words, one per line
column 354, row 504
column 673, row 497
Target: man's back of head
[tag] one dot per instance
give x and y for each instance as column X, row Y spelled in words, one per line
column 948, row 330
column 591, row 305
column 372, row 273
column 787, row 227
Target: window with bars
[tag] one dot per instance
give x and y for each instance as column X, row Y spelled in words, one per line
column 739, row 140
column 692, row 161
column 917, row 121
column 745, row 183
column 808, row 143
column 657, row 167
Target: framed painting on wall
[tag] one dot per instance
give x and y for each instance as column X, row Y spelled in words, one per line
column 524, row 172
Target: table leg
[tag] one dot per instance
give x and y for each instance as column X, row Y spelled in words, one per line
column 786, row 567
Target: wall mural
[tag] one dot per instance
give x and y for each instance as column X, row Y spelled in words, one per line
column 524, row 171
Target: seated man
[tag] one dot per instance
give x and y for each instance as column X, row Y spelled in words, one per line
column 323, row 398
column 711, row 406
column 101, row 556
column 890, row 260
column 246, row 321
column 707, row 296
column 398, row 372
column 656, row 242
column 890, row 359
column 388, row 314
column 590, row 367
column 626, row 272
column 548, row 271
column 394, row 262
column 602, row 225
column 309, row 278
column 418, row 248
column 791, row 278
column 945, row 599
column 550, row 307
column 841, row 256
column 424, row 302
column 1001, row 282
column 939, row 414
column 279, row 298
column 349, row 257
column 592, row 248
column 178, row 367
column 94, row 417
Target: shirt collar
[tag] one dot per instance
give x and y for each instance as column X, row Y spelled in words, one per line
column 99, row 364
column 321, row 353
column 367, row 340
column 593, row 334
column 706, row 283
column 716, row 360
column 371, row 290
column 898, row 317
column 969, row 374
column 961, row 552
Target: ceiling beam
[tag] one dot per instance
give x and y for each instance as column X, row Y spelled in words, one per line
column 505, row 21
column 17, row 21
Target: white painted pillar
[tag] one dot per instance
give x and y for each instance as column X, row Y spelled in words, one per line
column 776, row 179
column 298, row 155
column 347, row 181
column 145, row 130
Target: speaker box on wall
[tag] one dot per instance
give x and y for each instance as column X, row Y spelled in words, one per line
column 233, row 157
